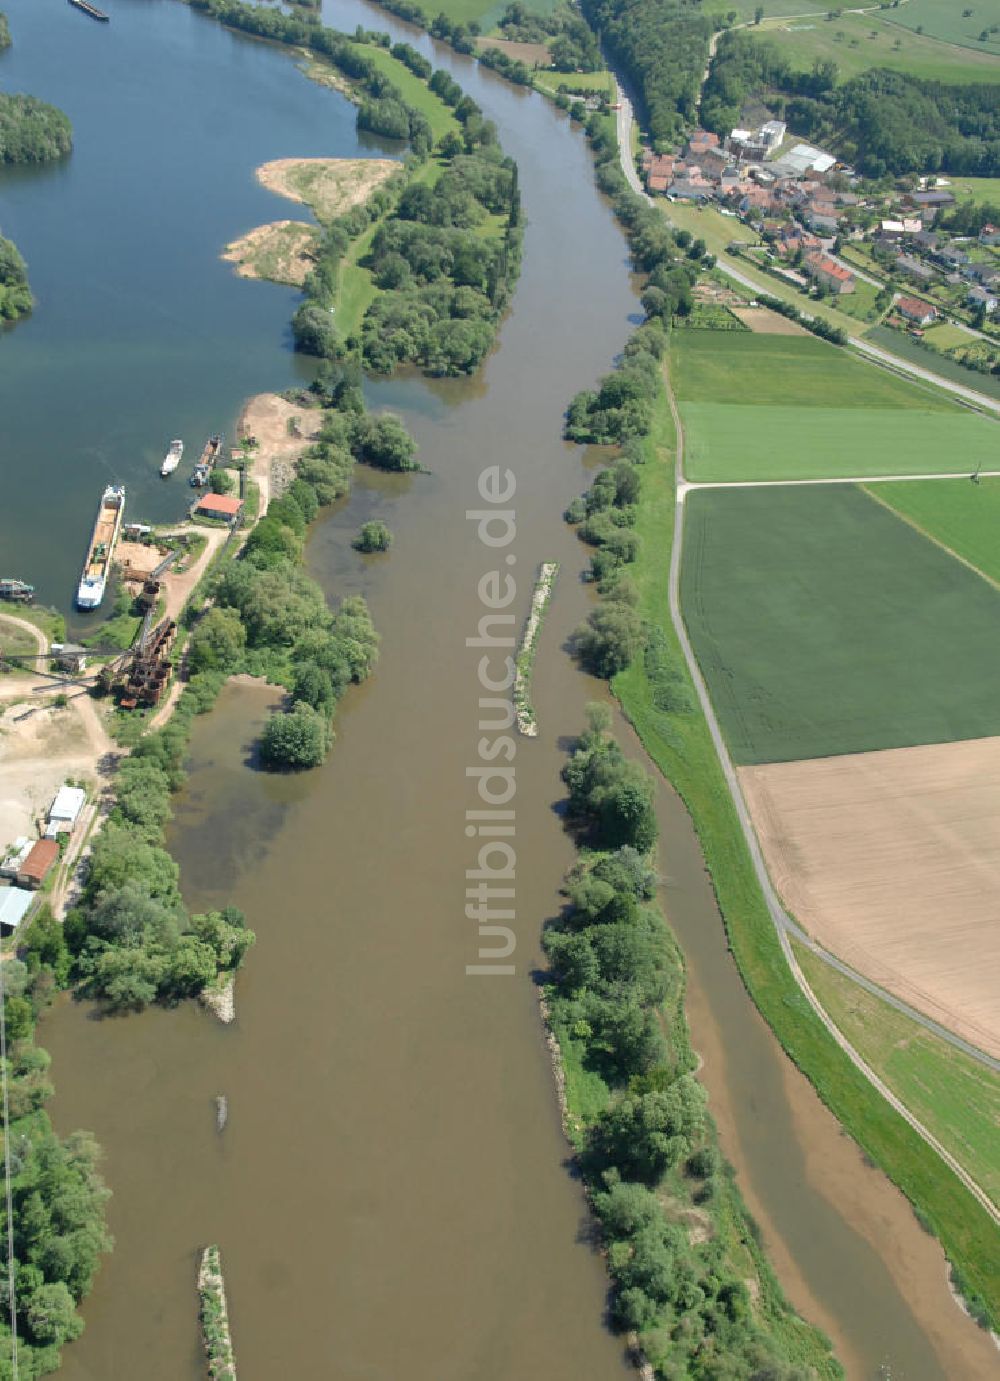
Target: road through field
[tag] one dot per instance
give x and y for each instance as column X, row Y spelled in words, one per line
column 783, row 924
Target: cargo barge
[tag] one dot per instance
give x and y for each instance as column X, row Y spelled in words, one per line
column 97, row 566
column 205, row 466
column 92, row 10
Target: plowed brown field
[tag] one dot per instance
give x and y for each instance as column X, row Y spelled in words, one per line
column 891, row 860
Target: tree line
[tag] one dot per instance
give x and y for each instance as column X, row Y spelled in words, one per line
column 880, row 121
column 645, row 1143
column 57, row 1194
column 662, row 47
column 15, row 293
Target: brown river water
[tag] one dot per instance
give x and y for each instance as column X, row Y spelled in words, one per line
column 390, row 1193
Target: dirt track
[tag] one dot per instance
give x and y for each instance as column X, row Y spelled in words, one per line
column 891, row 860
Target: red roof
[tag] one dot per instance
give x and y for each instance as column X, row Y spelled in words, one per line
column 40, row 861
column 822, row 264
column 219, row 505
column 913, row 307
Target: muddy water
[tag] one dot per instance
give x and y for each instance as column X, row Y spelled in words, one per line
column 389, row 1191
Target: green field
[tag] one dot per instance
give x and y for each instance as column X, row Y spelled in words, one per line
column 416, row 92
column 976, row 188
column 944, row 19
column 793, row 407
column 963, row 517
column 858, row 42
column 909, row 349
column 825, row 625
column 679, row 743
column 956, row 1098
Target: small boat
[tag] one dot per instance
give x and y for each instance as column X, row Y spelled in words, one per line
column 97, row 566
column 172, row 459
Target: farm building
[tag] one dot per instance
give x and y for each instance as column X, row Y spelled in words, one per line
column 15, row 856
column 828, row 273
column 14, row 903
column 223, row 506
column 921, row 313
column 66, row 808
column 42, row 858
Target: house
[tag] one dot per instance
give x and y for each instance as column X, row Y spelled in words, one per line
column 688, row 189
column 700, row 141
column 913, row 268
column 15, row 856
column 989, row 235
column 14, row 903
column 773, row 132
column 225, row 507
column 982, row 298
column 896, row 229
column 933, row 201
column 42, row 858
column 920, row 313
column 822, row 217
column 828, row 273
column 66, row 808
column 951, row 256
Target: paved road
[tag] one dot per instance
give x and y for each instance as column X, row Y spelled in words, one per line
column 784, row 926
column 874, row 353
column 684, row 487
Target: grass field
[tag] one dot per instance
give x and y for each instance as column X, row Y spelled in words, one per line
column 947, row 335
column 778, row 407
column 858, row 42
column 976, row 188
column 710, row 367
column 681, row 747
column 964, row 517
column 957, row 1099
column 908, row 349
column 416, row 92
column 824, row 625
column 944, row 19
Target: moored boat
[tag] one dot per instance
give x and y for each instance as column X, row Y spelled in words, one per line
column 97, row 566
column 172, row 459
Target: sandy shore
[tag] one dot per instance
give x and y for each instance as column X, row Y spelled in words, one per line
column 328, row 186
column 282, row 252
column 270, row 419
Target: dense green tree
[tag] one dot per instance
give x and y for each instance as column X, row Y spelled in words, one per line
column 296, row 739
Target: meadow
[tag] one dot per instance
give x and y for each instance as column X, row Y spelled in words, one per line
column 985, row 189
column 955, row 1097
column 760, row 407
column 944, row 19
column 948, row 368
column 825, row 625
column 963, row 517
column 858, row 42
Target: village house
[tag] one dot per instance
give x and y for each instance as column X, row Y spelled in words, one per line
column 920, row 313
column 913, row 268
column 828, row 273
column 225, row 507
column 40, row 861
column 701, row 141
column 979, row 297
column 989, row 235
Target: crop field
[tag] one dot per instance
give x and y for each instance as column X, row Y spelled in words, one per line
column 944, row 19
column 775, row 408
column 956, row 1098
column 824, row 624
column 891, row 860
column 963, row 517
column 858, row 42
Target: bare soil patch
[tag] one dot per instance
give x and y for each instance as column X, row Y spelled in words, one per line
column 283, row 431
column 282, row 252
column 328, row 186
column 892, row 861
column 768, row 323
column 532, row 54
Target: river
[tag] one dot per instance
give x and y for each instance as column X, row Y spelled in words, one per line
column 390, row 1192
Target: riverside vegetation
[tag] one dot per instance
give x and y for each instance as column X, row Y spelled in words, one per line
column 689, row 1277
column 442, row 243
column 57, row 1194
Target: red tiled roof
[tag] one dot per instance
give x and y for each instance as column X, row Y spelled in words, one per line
column 225, row 505
column 822, row 264
column 40, row 860
column 913, row 307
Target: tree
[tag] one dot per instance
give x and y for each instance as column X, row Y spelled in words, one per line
column 610, row 640
column 218, row 642
column 221, row 481
column 51, row 1315
column 296, row 739
column 374, row 536
column 384, row 442
column 758, row 14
